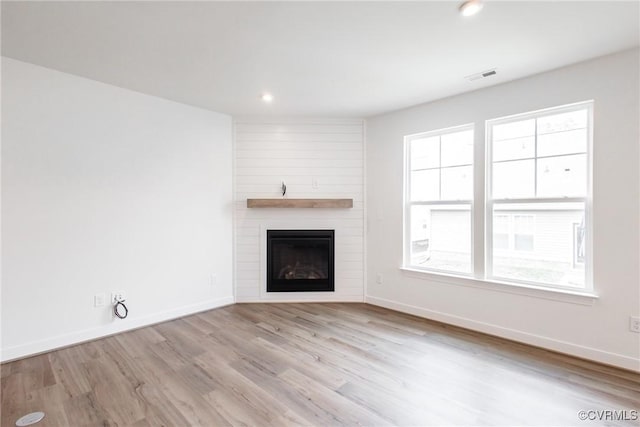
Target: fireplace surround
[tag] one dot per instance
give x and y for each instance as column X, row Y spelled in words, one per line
column 300, row 261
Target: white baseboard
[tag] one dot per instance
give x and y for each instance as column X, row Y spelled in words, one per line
column 37, row 347
column 590, row 353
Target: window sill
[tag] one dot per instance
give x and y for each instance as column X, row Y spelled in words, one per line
column 570, row 296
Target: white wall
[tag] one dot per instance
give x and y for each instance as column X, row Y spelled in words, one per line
column 107, row 189
column 596, row 329
column 268, row 151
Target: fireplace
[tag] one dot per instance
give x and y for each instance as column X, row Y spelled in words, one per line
column 300, row 261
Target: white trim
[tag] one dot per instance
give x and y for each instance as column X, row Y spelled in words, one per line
column 234, row 211
column 538, row 200
column 543, row 112
column 565, row 347
column 479, row 196
column 442, row 202
column 365, row 214
column 440, row 132
column 588, row 204
column 530, row 290
column 406, row 201
column 65, row 340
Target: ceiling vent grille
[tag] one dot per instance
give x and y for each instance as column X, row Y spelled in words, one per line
column 481, row 75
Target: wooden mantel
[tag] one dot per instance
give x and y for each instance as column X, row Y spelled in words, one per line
column 300, row 203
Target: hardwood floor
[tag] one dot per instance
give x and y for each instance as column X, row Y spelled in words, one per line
column 312, row 364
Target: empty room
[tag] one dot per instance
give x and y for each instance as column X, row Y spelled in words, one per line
column 320, row 213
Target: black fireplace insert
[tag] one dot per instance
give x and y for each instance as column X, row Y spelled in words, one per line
column 300, row 261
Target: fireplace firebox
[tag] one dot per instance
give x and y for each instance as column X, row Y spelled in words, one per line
column 300, row 261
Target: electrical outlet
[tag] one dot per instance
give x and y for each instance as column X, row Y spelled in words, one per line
column 213, row 279
column 99, row 300
column 314, row 183
column 379, row 278
column 118, row 296
column 634, row 324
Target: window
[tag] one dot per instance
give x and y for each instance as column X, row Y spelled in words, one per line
column 501, row 232
column 439, row 195
column 536, row 200
column 538, row 170
column 523, row 232
column 513, row 232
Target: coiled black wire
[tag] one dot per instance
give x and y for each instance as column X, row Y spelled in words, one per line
column 116, row 311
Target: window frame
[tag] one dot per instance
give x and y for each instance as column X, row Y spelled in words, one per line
column 490, row 202
column 408, row 203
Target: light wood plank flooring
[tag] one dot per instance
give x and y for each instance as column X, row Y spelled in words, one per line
column 311, row 364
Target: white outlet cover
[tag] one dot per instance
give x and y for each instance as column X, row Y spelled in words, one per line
column 634, row 324
column 99, row 300
column 116, row 294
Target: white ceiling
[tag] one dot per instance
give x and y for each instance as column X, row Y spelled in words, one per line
column 318, row 58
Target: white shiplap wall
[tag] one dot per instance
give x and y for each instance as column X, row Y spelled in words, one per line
column 299, row 152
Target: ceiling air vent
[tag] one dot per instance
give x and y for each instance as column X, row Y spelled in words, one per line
column 481, row 75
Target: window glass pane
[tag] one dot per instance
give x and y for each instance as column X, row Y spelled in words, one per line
column 425, row 153
column 548, row 241
column 501, row 224
column 523, row 242
column 569, row 142
column 523, row 229
column 513, row 179
column 457, row 148
column 523, row 224
column 500, row 241
column 513, row 130
column 512, row 149
column 441, row 237
column 562, row 122
column 425, row 185
column 500, row 232
column 564, row 176
column 419, row 235
column 457, row 183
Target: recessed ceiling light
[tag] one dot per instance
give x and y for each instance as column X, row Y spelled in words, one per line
column 266, row 97
column 470, row 7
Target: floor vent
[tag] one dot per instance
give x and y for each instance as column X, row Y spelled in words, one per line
column 30, row 419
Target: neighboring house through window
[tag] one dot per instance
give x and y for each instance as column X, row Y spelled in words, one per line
column 513, row 232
